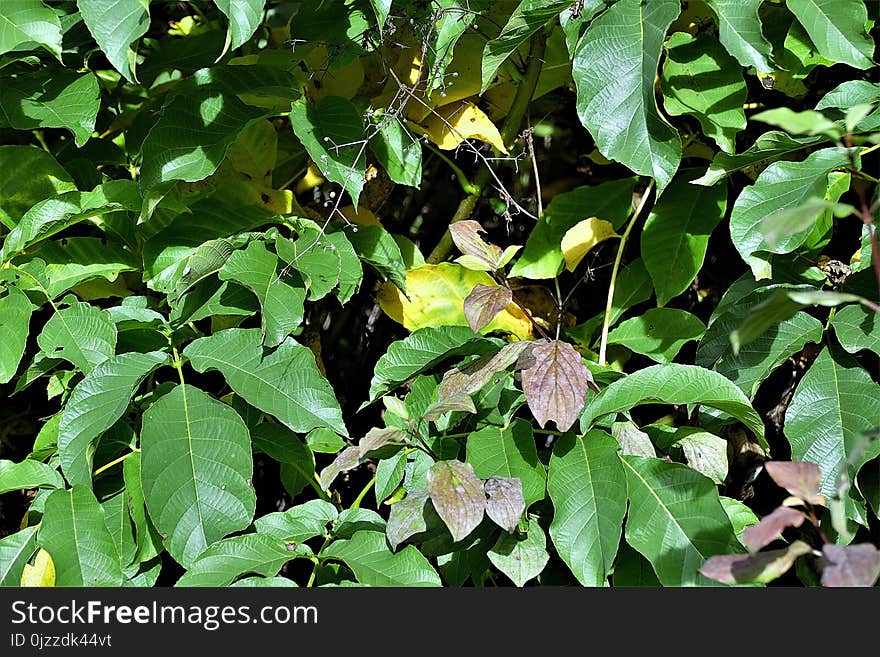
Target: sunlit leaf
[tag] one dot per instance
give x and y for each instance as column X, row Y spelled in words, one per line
column 555, row 382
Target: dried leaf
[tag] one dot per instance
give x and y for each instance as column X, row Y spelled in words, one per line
column 555, row 383
column 466, row 235
column 770, row 528
column 484, row 302
column 469, row 378
column 760, row 567
column 582, row 237
column 459, row 402
column 407, row 517
column 850, row 565
column 799, row 478
column 457, row 495
column 505, row 502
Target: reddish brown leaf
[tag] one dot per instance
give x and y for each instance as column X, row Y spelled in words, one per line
column 760, row 567
column 473, row 376
column 850, row 565
column 351, row 457
column 555, row 383
column 506, row 503
column 347, row 459
column 466, row 235
column 378, row 437
column 484, row 302
column 769, row 529
column 799, row 478
column 457, row 495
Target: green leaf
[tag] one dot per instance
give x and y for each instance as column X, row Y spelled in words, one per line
column 614, row 69
column 297, row 460
column 542, row 256
column 27, row 474
column 332, row 131
column 282, row 303
column 74, row 532
column 675, row 519
column 27, row 23
column 95, row 404
column 196, row 470
column 244, row 18
column 298, row 523
column 833, row 405
column 119, row 524
column 15, row 317
column 368, row 556
column 285, row 383
column 56, row 98
column 28, row 175
column 837, row 28
column 226, row 560
column 399, row 153
column 521, row 558
column 769, row 146
column 658, row 333
column 780, row 186
column 79, row 333
column 313, row 257
column 149, row 543
column 508, row 452
column 192, row 135
column 755, row 361
column 674, row 384
column 739, row 29
column 704, row 452
column 55, row 214
column 420, row 351
column 808, row 122
column 74, row 260
column 856, row 328
column 376, row 246
column 528, row 17
column 15, row 551
column 588, row 487
column 676, row 234
column 699, row 78
column 115, row 27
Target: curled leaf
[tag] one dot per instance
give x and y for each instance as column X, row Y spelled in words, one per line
column 351, row 457
column 505, row 502
column 484, row 303
column 469, row 378
column 457, row 495
column 466, row 235
column 760, row 568
column 450, row 125
column 458, row 402
column 555, row 383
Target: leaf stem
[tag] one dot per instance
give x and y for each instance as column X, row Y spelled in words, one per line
column 107, row 466
column 603, row 345
column 357, row 502
column 524, row 93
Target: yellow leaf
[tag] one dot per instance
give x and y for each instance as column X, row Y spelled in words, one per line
column 326, row 80
column 41, row 573
column 312, row 178
column 362, row 216
column 451, row 124
column 436, row 298
column 582, row 237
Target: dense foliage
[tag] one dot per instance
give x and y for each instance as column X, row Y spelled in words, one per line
column 439, row 292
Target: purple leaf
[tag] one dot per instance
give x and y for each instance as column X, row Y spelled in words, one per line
column 800, row 478
column 768, row 530
column 469, row 378
column 506, row 503
column 345, row 460
column 850, row 565
column 378, row 437
column 457, row 495
column 555, row 383
column 466, row 235
column 760, row 567
column 484, row 302
column 459, row 402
